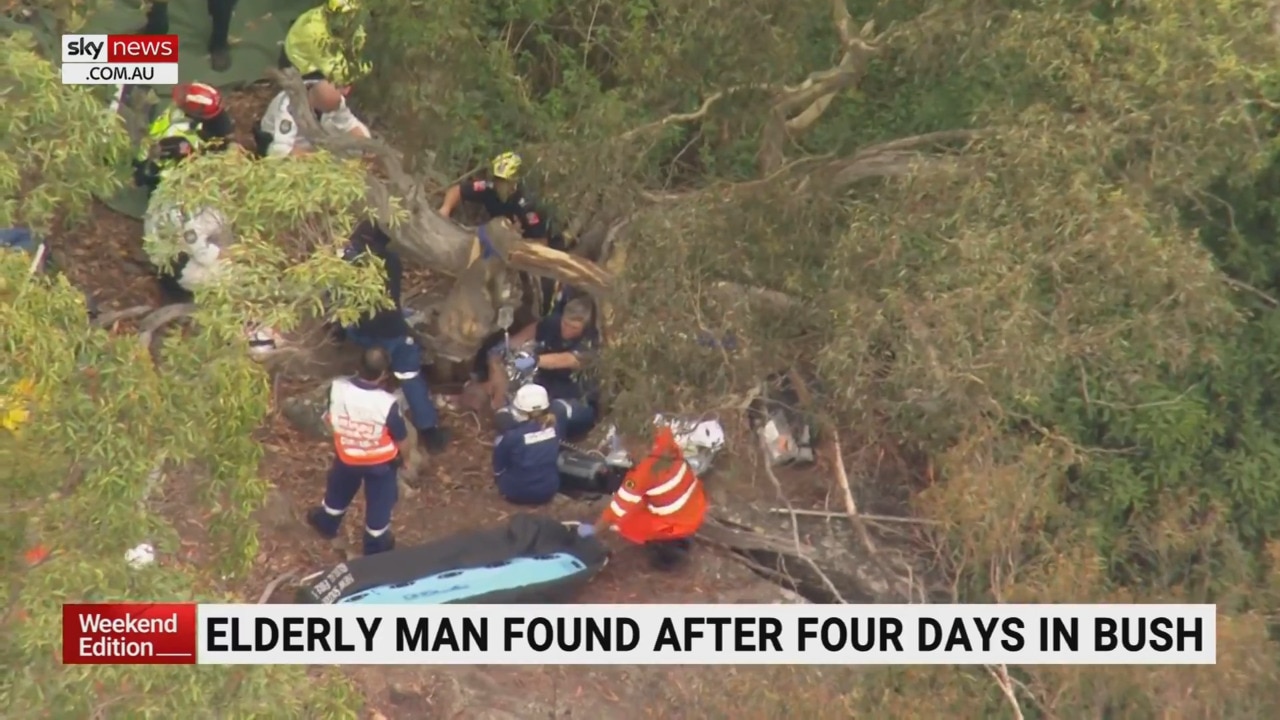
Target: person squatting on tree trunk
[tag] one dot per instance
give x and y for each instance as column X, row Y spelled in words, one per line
column 277, row 133
column 525, row 456
column 389, row 330
column 660, row 505
column 367, row 430
column 503, row 195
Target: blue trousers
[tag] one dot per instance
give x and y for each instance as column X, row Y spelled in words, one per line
column 381, row 491
column 574, row 418
column 406, row 363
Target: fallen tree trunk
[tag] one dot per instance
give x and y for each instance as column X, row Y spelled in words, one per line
column 421, row 235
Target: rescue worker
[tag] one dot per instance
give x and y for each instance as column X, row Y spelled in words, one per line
column 389, row 330
column 502, row 196
column 196, row 121
column 524, row 456
column 314, row 44
column 277, row 134
column 660, row 504
column 220, row 12
column 562, row 343
column 367, row 430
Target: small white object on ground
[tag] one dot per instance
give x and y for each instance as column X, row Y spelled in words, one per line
column 140, row 556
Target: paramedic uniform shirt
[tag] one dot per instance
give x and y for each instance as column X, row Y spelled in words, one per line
column 516, row 207
column 561, row 384
column 279, row 123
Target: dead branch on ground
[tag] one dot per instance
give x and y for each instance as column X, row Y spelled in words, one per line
column 795, row 529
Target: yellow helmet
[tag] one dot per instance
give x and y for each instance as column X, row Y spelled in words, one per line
column 506, row 166
column 342, row 6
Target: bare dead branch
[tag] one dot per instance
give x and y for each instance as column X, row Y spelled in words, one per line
column 795, row 529
column 845, row 516
column 152, row 323
column 1001, row 675
column 115, row 316
column 275, row 583
column 698, row 114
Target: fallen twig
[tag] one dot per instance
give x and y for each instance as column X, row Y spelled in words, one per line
column 795, row 529
column 115, row 316
column 271, row 586
column 1001, row 675
column 845, row 516
column 842, row 481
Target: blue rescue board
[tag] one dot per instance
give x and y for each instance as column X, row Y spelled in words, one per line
column 530, row 559
column 459, row 586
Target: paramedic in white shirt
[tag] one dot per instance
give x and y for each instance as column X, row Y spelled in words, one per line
column 277, row 135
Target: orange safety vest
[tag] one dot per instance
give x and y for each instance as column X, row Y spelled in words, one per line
column 358, row 417
column 661, row 498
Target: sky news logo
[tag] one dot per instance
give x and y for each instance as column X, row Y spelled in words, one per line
column 128, row 49
column 120, row 59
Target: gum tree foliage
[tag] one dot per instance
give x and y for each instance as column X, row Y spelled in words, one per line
column 102, row 448
column 1032, row 241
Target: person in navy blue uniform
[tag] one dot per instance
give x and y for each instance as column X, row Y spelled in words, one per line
column 368, row 429
column 564, row 342
column 501, row 195
column 389, row 330
column 525, row 455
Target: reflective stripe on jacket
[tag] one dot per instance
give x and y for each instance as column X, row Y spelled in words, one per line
column 311, row 48
column 661, row 498
column 359, row 419
column 173, row 124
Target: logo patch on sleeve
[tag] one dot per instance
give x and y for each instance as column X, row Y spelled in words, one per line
column 286, row 126
column 479, row 186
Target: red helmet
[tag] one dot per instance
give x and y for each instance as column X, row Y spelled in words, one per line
column 200, row 101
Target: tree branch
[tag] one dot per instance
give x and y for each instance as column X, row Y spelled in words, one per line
column 698, row 114
column 812, row 97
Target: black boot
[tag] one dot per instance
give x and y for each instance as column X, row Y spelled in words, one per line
column 157, row 19
column 385, row 542
column 324, row 524
column 433, row 439
column 220, row 59
column 219, row 39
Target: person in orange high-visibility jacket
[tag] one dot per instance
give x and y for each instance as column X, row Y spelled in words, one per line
column 660, row 504
column 367, row 430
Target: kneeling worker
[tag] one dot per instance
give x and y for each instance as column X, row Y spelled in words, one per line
column 367, row 429
column 564, row 343
column 197, row 120
column 524, row 457
column 277, row 135
column 660, row 505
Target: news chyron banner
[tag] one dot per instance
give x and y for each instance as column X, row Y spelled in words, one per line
column 119, row 59
column 162, row 633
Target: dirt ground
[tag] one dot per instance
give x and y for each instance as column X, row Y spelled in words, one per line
column 105, row 259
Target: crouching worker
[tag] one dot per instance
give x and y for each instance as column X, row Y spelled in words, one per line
column 367, row 430
column 564, row 343
column 524, row 457
column 660, row 504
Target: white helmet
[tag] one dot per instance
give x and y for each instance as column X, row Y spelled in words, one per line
column 708, row 435
column 531, row 398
